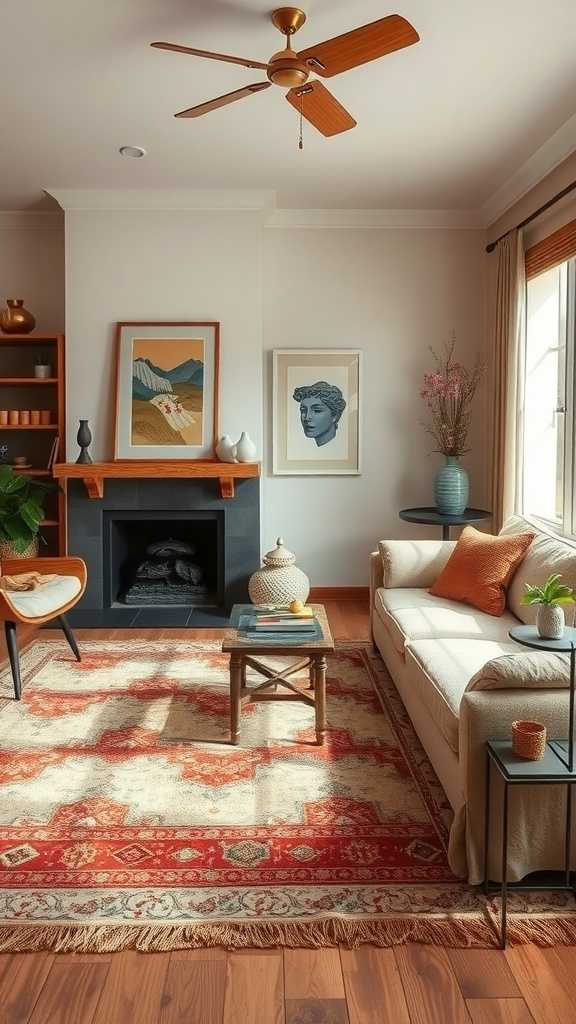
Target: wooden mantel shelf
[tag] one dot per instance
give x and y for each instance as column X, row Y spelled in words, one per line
column 94, row 474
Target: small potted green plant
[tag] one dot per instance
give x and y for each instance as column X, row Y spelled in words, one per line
column 21, row 513
column 550, row 600
column 42, row 367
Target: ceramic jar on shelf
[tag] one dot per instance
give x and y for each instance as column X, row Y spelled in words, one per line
column 280, row 581
column 15, row 319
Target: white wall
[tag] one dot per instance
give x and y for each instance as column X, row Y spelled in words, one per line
column 161, row 265
column 32, row 265
column 389, row 292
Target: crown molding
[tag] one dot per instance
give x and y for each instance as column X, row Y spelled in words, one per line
column 31, row 220
column 379, row 218
column 163, row 199
column 556, row 149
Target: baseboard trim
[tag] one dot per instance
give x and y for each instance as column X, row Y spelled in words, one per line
column 339, row 594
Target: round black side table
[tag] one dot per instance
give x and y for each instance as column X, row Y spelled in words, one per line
column 430, row 516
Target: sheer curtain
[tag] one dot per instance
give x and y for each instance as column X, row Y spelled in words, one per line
column 507, row 320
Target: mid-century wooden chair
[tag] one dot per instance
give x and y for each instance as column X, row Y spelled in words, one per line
column 36, row 607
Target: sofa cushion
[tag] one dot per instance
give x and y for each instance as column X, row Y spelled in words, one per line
column 528, row 670
column 440, row 671
column 415, row 614
column 547, row 554
column 49, row 598
column 413, row 563
column 480, row 568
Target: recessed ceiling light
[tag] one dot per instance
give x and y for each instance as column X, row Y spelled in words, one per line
column 135, row 151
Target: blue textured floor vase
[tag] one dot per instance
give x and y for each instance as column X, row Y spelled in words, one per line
column 451, row 487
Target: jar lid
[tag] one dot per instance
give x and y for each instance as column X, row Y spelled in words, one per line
column 279, row 555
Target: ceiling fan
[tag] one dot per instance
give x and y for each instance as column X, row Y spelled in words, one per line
column 290, row 69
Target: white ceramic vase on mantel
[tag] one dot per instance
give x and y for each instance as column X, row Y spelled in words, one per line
column 226, row 449
column 245, row 448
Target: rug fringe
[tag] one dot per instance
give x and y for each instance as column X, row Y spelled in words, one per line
column 111, row 938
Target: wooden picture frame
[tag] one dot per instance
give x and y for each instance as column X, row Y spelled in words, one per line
column 316, row 412
column 167, row 389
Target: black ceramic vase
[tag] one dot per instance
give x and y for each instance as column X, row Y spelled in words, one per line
column 84, row 438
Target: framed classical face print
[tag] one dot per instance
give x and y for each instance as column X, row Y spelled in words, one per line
column 166, row 390
column 316, row 411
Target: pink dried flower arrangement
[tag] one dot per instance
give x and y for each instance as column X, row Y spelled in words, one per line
column 448, row 392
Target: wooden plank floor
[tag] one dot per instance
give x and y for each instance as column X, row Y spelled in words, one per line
column 411, row 984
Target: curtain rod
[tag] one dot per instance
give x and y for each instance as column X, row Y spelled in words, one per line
column 541, row 209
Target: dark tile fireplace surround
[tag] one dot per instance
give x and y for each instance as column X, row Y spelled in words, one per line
column 113, row 533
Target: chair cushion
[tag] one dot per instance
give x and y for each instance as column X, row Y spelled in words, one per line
column 480, row 569
column 46, row 600
column 415, row 614
column 440, row 671
column 548, row 553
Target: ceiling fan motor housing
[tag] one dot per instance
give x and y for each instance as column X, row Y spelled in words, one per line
column 287, row 70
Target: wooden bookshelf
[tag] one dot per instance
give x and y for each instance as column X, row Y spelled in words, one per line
column 20, row 389
column 28, row 380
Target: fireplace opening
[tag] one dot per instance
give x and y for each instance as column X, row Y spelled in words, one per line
column 167, row 559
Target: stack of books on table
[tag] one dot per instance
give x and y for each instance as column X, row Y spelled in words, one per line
column 281, row 627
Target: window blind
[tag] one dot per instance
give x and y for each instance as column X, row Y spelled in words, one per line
column 556, row 248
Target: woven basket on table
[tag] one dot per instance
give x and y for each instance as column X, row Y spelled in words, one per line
column 529, row 740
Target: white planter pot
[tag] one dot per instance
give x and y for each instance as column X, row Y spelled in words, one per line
column 550, row 621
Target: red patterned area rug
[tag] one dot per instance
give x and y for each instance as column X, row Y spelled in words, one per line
column 127, row 819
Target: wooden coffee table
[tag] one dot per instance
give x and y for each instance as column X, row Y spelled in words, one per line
column 311, row 655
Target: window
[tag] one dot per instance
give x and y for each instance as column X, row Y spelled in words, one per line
column 549, row 422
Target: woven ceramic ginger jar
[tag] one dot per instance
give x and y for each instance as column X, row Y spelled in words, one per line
column 280, row 581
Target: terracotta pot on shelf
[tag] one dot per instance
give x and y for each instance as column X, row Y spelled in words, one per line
column 13, row 417
column 25, row 417
column 34, row 417
column 3, row 417
column 16, row 319
column 45, row 416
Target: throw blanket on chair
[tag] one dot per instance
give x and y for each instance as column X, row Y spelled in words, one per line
column 25, row 581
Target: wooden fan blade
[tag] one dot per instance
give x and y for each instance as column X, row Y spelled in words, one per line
column 212, row 56
column 222, row 101
column 360, row 46
column 321, row 108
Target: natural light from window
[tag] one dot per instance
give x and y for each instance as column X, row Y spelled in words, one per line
column 544, row 401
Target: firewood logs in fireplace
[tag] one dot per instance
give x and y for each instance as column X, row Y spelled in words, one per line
column 167, row 575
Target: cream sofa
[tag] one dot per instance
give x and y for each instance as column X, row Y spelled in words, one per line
column 462, row 681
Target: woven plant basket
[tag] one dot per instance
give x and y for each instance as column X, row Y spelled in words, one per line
column 7, row 550
column 529, row 740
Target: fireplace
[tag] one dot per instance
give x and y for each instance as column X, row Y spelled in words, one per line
column 163, row 552
column 169, row 559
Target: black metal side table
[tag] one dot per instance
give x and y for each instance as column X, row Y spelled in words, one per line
column 432, row 517
column 550, row 770
column 528, row 636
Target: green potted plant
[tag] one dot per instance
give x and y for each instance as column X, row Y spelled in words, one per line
column 550, row 600
column 42, row 367
column 21, row 513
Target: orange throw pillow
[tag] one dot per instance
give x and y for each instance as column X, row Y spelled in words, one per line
column 480, row 569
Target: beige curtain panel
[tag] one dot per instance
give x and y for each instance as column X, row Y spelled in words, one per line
column 507, row 298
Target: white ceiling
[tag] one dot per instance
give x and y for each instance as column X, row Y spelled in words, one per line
column 441, row 125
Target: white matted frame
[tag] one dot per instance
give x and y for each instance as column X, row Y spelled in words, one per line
column 316, row 412
column 196, row 338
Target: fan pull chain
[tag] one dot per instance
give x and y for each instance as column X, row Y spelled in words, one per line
column 300, row 140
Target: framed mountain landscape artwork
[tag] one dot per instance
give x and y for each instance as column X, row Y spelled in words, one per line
column 316, row 412
column 166, row 390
